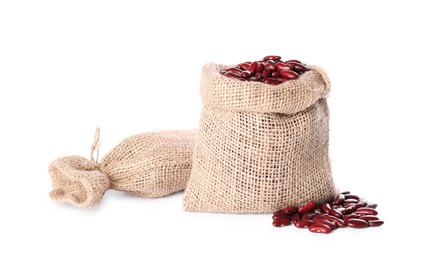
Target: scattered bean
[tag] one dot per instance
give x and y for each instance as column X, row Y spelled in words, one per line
column 320, row 228
column 303, row 223
column 375, row 223
column 309, row 206
column 281, row 222
column 345, row 210
column 356, row 223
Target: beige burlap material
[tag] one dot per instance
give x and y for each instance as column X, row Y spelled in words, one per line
column 260, row 147
column 149, row 165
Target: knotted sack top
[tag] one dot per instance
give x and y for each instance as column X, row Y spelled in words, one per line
column 149, row 165
column 289, row 97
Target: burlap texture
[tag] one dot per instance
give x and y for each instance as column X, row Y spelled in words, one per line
column 149, row 165
column 260, row 147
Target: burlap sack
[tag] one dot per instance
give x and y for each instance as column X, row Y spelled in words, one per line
column 260, row 147
column 149, row 165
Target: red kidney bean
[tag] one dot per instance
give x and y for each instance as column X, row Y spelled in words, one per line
column 325, row 207
column 272, row 57
column 303, row 223
column 349, row 216
column 279, row 212
column 289, row 74
column 356, row 223
column 282, row 66
column 335, row 213
column 339, row 222
column 235, row 70
column 282, row 80
column 253, row 67
column 281, row 222
column 368, row 217
column 367, row 210
column 320, row 228
column 317, row 216
column 233, row 75
column 350, row 200
column 340, row 209
column 244, row 65
column 362, row 213
column 348, row 210
column 289, row 210
column 268, row 62
column 309, row 206
column 330, row 224
column 345, row 192
column 358, row 205
column 340, row 199
column 271, row 67
column 275, row 74
column 296, row 216
column 350, row 204
column 298, row 67
column 308, row 215
column 280, row 216
column 351, row 196
column 318, row 211
column 260, row 67
column 375, row 223
column 271, row 81
column 266, row 73
column 246, row 74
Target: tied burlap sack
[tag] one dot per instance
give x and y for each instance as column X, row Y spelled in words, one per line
column 149, row 165
column 260, row 147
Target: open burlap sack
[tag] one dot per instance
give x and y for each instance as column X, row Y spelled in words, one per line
column 260, row 147
column 149, row 165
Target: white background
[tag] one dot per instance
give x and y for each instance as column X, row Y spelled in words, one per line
column 67, row 67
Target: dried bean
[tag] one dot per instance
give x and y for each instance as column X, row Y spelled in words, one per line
column 341, row 212
column 325, row 207
column 347, row 217
column 288, row 74
column 303, row 223
column 296, row 217
column 356, row 223
column 368, row 217
column 350, row 200
column 375, row 223
column 281, row 222
column 253, row 67
column 367, row 210
column 289, row 210
column 330, row 224
column 340, row 199
column 352, row 196
column 272, row 57
column 309, row 206
column 320, row 228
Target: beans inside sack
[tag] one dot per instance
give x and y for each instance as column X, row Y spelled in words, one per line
column 347, row 210
column 271, row 70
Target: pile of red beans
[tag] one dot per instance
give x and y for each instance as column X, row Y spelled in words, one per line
column 271, row 70
column 347, row 210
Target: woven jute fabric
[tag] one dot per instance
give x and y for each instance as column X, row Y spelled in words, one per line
column 149, row 165
column 260, row 147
